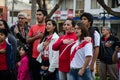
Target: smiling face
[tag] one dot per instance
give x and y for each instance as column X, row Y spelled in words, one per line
column 50, row 27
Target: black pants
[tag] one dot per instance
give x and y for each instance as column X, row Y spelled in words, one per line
column 35, row 69
column 5, row 75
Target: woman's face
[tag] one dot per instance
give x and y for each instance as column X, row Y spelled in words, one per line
column 68, row 26
column 50, row 27
column 2, row 25
column 78, row 31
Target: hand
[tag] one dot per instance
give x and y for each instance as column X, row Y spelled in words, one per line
column 16, row 30
column 92, row 67
column 81, row 71
column 108, row 43
column 19, row 63
column 88, row 39
column 46, row 43
column 67, row 41
column 117, row 49
column 2, row 50
column 39, row 34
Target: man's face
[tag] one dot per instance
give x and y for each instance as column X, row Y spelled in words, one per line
column 85, row 21
column 21, row 20
column 40, row 17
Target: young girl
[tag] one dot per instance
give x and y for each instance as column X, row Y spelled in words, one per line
column 23, row 68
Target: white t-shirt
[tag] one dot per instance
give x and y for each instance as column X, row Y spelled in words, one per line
column 80, row 55
column 96, row 39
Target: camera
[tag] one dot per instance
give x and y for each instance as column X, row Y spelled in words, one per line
column 118, row 43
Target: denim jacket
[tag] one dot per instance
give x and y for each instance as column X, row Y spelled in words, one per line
column 10, row 57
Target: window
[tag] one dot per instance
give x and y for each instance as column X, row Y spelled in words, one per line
column 15, row 13
column 112, row 3
column 67, row 4
column 80, row 4
column 94, row 4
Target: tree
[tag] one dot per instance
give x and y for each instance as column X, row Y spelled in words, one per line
column 108, row 9
column 39, row 2
column 33, row 12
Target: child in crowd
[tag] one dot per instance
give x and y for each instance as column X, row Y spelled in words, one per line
column 6, row 57
column 23, row 64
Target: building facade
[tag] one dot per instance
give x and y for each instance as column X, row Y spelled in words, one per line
column 101, row 17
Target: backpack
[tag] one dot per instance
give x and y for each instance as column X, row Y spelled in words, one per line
column 91, row 32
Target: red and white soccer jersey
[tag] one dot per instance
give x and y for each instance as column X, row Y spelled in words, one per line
column 80, row 55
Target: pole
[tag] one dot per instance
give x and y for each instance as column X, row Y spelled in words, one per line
column 12, row 11
column 104, row 18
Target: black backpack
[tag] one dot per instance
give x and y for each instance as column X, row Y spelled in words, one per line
column 91, row 34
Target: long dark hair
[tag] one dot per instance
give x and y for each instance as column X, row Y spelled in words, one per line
column 47, row 33
column 84, row 30
column 6, row 25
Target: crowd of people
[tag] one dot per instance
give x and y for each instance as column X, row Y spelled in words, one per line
column 38, row 52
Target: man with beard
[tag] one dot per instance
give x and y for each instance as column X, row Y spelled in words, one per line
column 34, row 36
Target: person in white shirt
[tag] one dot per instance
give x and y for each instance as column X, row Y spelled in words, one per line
column 81, row 55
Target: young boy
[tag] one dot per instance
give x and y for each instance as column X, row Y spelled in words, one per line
column 6, row 57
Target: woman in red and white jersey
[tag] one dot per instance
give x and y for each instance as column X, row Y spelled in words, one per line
column 81, row 55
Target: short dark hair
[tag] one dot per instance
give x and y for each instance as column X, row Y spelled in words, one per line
column 4, row 31
column 6, row 25
column 88, row 16
column 43, row 11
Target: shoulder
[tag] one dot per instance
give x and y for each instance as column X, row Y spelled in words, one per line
column 55, row 35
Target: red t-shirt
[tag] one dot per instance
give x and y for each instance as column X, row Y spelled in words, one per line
column 32, row 32
column 3, row 59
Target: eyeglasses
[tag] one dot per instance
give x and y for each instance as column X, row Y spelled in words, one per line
column 20, row 18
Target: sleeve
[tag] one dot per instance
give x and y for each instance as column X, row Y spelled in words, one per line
column 12, row 40
column 54, row 59
column 40, row 47
column 96, row 39
column 24, row 68
column 88, row 49
column 56, row 45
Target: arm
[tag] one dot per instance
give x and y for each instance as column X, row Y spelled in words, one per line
column 115, row 55
column 54, row 61
column 88, row 54
column 82, row 70
column 32, row 36
column 2, row 51
column 24, row 68
column 56, row 45
column 96, row 49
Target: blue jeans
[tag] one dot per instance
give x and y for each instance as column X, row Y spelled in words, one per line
column 74, row 74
